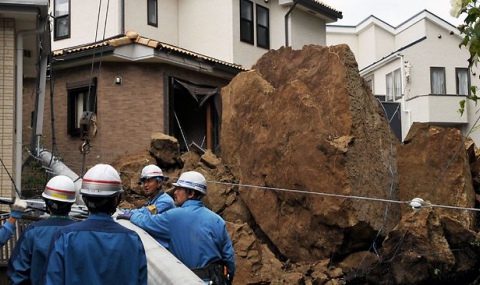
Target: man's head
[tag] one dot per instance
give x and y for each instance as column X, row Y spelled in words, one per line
column 59, row 195
column 151, row 179
column 101, row 189
column 191, row 185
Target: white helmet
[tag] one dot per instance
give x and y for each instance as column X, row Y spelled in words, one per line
column 102, row 180
column 151, row 171
column 60, row 188
column 192, row 180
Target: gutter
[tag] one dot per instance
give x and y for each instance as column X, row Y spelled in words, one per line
column 295, row 2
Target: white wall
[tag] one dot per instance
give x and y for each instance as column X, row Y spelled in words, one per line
column 306, row 29
column 85, row 28
column 205, row 26
column 350, row 39
column 168, row 22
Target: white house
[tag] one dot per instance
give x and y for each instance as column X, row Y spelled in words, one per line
column 235, row 31
column 418, row 65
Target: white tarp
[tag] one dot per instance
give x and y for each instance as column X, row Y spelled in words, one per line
column 163, row 267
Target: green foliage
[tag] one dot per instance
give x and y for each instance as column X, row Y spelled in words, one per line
column 471, row 33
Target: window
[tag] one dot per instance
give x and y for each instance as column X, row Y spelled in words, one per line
column 246, row 21
column 62, row 19
column 437, row 80
column 263, row 30
column 389, row 84
column 394, row 85
column 463, row 81
column 247, row 24
column 397, row 83
column 152, row 11
column 369, row 80
column 81, row 97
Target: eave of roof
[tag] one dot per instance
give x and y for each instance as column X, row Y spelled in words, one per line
column 322, row 8
column 133, row 38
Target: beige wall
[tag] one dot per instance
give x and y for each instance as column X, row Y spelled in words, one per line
column 7, row 106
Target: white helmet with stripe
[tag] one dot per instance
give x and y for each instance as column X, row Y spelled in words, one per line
column 192, row 180
column 102, row 180
column 151, row 171
column 60, row 188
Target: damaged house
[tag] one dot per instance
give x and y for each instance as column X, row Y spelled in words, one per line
column 124, row 70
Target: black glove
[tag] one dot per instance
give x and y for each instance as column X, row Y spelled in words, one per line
column 124, row 216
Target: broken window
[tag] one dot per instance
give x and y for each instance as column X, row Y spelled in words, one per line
column 82, row 97
column 62, row 19
column 194, row 115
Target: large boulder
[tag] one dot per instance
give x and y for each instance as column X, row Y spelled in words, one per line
column 304, row 120
column 434, row 165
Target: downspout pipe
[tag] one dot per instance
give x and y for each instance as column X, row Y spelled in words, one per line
column 404, row 87
column 286, row 21
column 19, row 101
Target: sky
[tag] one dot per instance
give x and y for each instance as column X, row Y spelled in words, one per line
column 393, row 12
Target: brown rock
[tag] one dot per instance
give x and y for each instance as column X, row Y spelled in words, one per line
column 435, row 167
column 305, row 120
column 417, row 250
column 165, row 149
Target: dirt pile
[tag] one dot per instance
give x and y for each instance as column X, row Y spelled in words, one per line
column 308, row 172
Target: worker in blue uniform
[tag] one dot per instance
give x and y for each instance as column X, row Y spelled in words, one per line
column 26, row 263
column 16, row 211
column 158, row 201
column 196, row 235
column 94, row 251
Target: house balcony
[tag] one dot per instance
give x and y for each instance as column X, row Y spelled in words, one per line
column 437, row 109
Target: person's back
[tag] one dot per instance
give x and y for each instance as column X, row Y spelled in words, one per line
column 97, row 250
column 196, row 234
column 28, row 258
column 30, row 254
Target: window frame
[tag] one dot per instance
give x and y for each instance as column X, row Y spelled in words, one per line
column 151, row 3
column 263, row 28
column 457, row 81
column 247, row 25
column 58, row 18
column 432, row 87
column 74, row 89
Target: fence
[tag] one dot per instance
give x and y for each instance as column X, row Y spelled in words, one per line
column 7, row 249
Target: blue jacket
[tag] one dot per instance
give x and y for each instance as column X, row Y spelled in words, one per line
column 30, row 253
column 6, row 232
column 96, row 251
column 161, row 201
column 196, row 235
